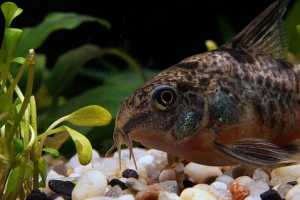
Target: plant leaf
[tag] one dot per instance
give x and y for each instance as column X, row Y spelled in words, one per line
column 109, row 95
column 12, row 37
column 10, row 11
column 210, row 45
column 53, row 22
column 18, row 145
column 298, row 29
column 90, row 116
column 52, row 151
column 68, row 65
column 13, row 179
column 292, row 20
column 43, row 168
column 57, row 140
column 83, row 145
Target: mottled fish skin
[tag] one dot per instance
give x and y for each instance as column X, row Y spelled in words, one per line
column 237, row 104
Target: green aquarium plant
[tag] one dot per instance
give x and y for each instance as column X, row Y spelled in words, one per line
column 21, row 161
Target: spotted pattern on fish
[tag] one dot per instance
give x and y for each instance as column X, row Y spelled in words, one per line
column 239, row 103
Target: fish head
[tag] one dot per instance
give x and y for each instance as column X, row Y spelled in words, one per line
column 163, row 113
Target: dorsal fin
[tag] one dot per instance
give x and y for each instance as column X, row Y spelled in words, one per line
column 265, row 34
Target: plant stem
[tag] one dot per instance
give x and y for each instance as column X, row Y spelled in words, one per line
column 31, row 61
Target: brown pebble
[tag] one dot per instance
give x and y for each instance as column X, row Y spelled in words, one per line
column 151, row 193
column 60, row 168
column 239, row 190
column 235, row 172
column 209, row 180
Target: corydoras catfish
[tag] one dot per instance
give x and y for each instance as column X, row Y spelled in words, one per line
column 239, row 103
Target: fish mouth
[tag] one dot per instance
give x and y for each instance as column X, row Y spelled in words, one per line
column 122, row 138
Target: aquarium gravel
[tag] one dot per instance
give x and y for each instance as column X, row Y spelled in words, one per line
column 102, row 179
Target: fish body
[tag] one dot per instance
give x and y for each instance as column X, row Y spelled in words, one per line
column 239, row 103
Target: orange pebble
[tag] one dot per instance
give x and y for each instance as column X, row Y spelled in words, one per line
column 239, row 190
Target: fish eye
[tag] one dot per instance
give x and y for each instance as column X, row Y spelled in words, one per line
column 164, row 97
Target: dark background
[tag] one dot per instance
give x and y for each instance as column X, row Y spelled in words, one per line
column 157, row 33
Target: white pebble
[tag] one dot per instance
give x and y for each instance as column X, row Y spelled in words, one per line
column 293, row 194
column 80, row 169
column 59, row 198
column 153, row 173
column 166, row 175
column 110, row 167
column 293, row 169
column 225, row 179
column 123, row 197
column 260, row 174
column 142, row 172
column 219, row 185
column 75, row 175
column 92, row 183
column 281, row 179
column 168, row 196
column 207, row 188
column 145, row 161
column 244, row 179
column 200, row 172
column 138, row 153
column 179, row 167
column 256, row 188
column 224, row 195
column 196, row 194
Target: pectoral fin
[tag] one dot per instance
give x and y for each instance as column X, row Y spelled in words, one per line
column 259, row 153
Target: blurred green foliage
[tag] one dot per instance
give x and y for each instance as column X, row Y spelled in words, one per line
column 53, row 83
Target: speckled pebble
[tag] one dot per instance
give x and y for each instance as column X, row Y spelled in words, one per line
column 130, row 173
column 134, row 184
column 114, row 192
column 283, row 189
column 151, row 192
column 166, row 175
column 270, row 195
column 92, row 183
column 293, row 194
column 239, row 190
column 196, row 194
column 260, row 174
column 201, row 172
column 168, row 196
column 60, row 168
column 171, row 186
